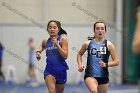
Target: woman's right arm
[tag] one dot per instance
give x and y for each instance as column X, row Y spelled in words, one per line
column 40, row 49
column 42, row 46
column 80, row 54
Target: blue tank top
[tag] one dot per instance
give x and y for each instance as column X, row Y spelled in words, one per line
column 97, row 52
column 54, row 60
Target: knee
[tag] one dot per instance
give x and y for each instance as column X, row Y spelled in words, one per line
column 93, row 91
column 52, row 91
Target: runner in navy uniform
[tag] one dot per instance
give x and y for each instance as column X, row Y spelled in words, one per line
column 99, row 49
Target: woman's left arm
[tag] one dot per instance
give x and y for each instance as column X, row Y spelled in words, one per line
column 63, row 49
column 114, row 55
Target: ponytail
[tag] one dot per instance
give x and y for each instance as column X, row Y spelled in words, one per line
column 90, row 38
column 61, row 31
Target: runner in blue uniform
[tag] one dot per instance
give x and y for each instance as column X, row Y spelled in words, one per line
column 56, row 47
column 99, row 49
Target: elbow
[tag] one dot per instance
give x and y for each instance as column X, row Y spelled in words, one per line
column 117, row 62
column 135, row 50
column 79, row 54
column 65, row 57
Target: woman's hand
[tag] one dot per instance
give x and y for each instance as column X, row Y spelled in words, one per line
column 54, row 39
column 81, row 68
column 38, row 55
column 102, row 64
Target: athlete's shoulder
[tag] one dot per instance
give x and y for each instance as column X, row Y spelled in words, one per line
column 109, row 45
column 64, row 37
column 109, row 42
column 86, row 44
column 44, row 41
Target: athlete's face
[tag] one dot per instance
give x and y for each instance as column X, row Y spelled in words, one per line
column 53, row 29
column 100, row 30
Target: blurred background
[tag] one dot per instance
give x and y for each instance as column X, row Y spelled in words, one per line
column 21, row 20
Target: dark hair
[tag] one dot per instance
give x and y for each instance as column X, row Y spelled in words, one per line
column 30, row 40
column 90, row 38
column 61, row 30
column 97, row 23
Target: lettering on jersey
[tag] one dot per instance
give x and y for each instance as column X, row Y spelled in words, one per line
column 53, row 46
column 97, row 52
column 102, row 50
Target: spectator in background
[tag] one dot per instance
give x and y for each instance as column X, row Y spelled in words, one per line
column 1, row 56
column 32, row 75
